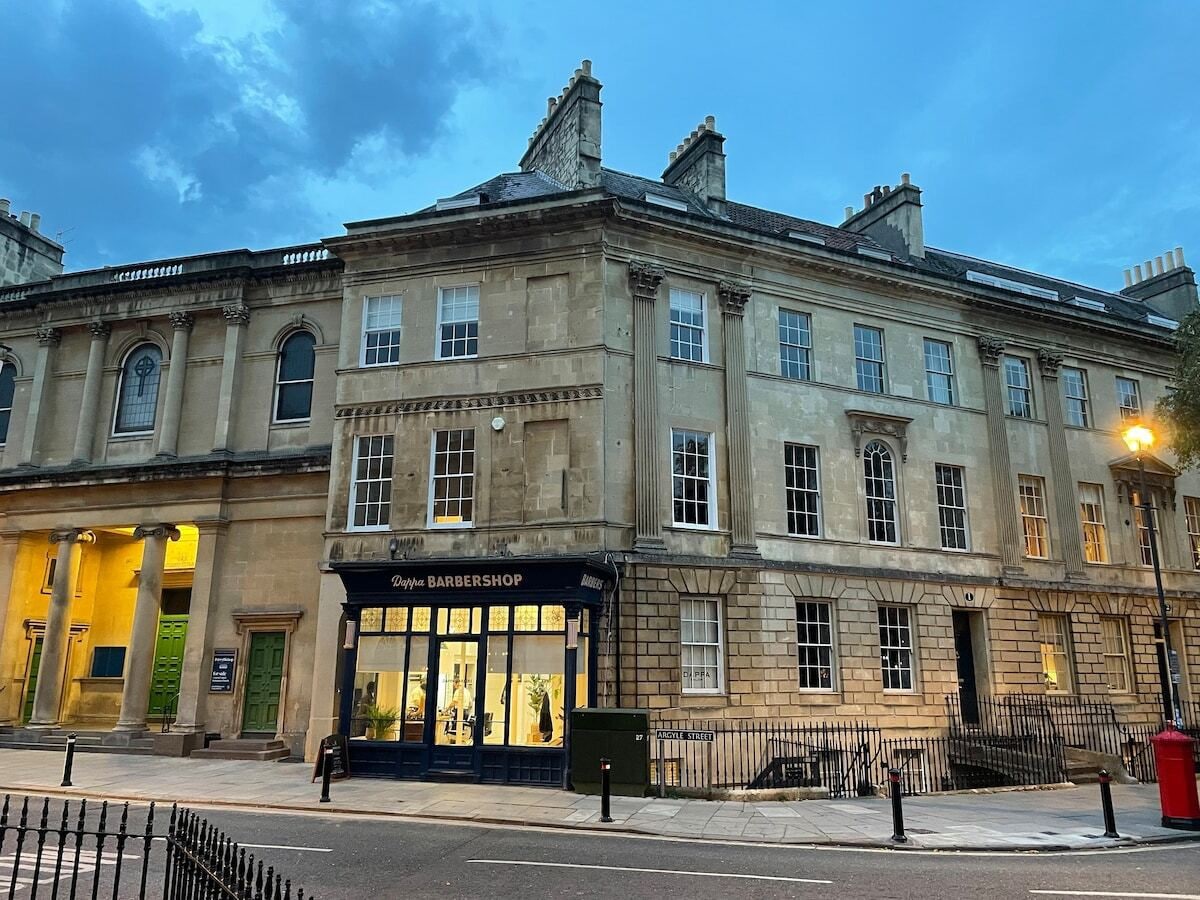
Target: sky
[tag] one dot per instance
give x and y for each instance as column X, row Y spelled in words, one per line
column 1062, row 137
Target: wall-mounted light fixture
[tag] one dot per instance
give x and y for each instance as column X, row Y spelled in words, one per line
column 393, row 547
column 351, row 634
column 573, row 630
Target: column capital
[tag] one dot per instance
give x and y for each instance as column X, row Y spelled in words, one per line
column 645, row 278
column 182, row 321
column 48, row 337
column 1049, row 362
column 236, row 314
column 99, row 330
column 76, row 535
column 990, row 349
column 733, row 296
column 158, row 531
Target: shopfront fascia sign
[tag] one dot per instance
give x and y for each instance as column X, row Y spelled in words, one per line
column 474, row 581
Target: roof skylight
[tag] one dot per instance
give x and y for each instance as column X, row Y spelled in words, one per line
column 1019, row 286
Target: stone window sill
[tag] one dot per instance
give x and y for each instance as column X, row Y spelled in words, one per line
column 102, row 682
column 703, row 701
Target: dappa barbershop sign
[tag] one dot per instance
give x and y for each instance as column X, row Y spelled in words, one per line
column 509, row 580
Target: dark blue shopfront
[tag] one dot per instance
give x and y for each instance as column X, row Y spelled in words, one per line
column 467, row 669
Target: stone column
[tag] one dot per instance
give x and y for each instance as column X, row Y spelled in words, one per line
column 168, row 435
column 737, row 418
column 1007, row 519
column 85, row 431
column 644, row 280
column 1066, row 511
column 47, row 696
column 143, row 636
column 237, row 317
column 10, row 703
column 193, row 691
column 48, row 339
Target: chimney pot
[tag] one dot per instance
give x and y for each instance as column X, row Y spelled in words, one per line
column 887, row 189
column 1158, row 266
column 866, row 199
column 35, row 219
column 586, row 65
column 710, row 122
column 4, row 206
column 905, row 178
column 849, row 212
column 1128, row 278
column 1137, row 273
column 25, row 218
column 1179, row 257
column 671, row 156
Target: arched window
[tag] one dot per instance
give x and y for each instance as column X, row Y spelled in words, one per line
column 294, row 378
column 8, row 387
column 879, row 474
column 137, row 395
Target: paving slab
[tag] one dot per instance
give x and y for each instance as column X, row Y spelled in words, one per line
column 1027, row 819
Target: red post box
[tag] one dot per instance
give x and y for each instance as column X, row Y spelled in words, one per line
column 1176, row 779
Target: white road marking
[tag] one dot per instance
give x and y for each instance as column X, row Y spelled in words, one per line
column 1120, row 894
column 286, row 847
column 561, row 865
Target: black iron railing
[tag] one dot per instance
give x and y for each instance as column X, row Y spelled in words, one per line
column 73, row 849
column 169, row 710
column 1084, row 724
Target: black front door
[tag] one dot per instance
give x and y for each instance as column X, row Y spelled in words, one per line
column 454, row 734
column 964, row 650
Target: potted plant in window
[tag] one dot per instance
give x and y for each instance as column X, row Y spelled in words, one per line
column 381, row 721
column 537, row 691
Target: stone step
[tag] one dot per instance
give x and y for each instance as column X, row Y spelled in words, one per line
column 244, row 748
column 132, row 750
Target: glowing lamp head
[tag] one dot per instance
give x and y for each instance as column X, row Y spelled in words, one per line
column 1138, row 438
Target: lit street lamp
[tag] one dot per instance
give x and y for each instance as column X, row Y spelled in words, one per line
column 1139, row 439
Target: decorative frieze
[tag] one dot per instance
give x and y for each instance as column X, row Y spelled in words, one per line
column 895, row 427
column 462, row 404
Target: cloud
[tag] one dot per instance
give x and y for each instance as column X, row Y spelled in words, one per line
column 153, row 129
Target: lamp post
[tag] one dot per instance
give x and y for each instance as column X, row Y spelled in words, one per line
column 1139, row 439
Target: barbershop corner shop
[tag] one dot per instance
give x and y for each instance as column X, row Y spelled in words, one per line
column 467, row 669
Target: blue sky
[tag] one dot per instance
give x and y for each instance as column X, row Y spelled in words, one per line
column 1062, row 136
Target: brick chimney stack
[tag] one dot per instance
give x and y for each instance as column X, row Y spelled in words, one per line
column 892, row 217
column 566, row 144
column 1165, row 284
column 698, row 165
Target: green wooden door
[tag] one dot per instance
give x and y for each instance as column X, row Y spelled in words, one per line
column 35, row 663
column 168, row 663
column 264, row 670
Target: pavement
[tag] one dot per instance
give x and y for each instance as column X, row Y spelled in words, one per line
column 1063, row 818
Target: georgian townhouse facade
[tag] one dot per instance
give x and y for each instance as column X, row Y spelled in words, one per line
column 582, row 438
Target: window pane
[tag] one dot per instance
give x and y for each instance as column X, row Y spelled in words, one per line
column 295, row 401
column 1091, row 517
column 700, row 645
column 895, row 648
column 1056, row 655
column 690, row 484
column 371, row 489
column 1129, row 400
column 379, row 687
column 868, row 359
column 452, row 485
column 952, row 506
column 939, row 372
column 687, row 325
column 814, row 644
column 1033, row 516
column 495, row 687
column 1075, row 399
column 537, row 696
column 880, row 482
column 297, row 358
column 795, row 343
column 1019, row 393
column 458, row 317
column 138, row 394
column 802, row 490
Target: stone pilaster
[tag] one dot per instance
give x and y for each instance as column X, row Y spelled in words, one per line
column 143, row 635
column 190, row 714
column 168, row 435
column 644, row 279
column 10, row 701
column 48, row 339
column 1007, row 519
column 237, row 318
column 733, row 298
column 85, row 430
column 47, row 696
column 1065, row 510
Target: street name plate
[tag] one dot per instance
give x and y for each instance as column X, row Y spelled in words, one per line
column 705, row 736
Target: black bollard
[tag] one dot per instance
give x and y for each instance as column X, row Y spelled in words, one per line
column 1110, row 820
column 897, row 807
column 66, row 782
column 326, row 771
column 605, row 790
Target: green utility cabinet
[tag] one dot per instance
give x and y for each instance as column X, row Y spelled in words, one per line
column 620, row 735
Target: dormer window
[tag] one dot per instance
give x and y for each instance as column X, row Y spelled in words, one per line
column 873, row 252
column 806, row 237
column 460, row 202
column 1007, row 284
column 668, row 202
column 1162, row 321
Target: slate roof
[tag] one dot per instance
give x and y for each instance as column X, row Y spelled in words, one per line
column 516, row 186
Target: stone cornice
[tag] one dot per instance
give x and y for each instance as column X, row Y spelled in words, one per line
column 461, row 404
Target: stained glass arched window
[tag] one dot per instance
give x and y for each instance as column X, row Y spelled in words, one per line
column 294, row 378
column 879, row 475
column 8, row 388
column 137, row 395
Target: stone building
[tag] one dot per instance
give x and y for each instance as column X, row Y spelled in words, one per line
column 581, row 437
